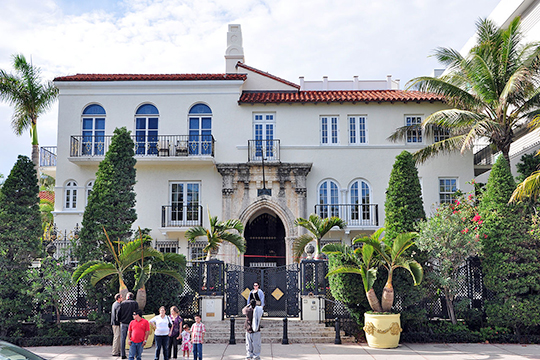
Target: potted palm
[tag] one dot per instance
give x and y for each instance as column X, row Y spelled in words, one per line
column 382, row 327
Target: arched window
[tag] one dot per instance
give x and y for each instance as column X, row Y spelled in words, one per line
column 70, row 195
column 146, row 130
column 328, row 199
column 360, row 208
column 89, row 187
column 200, row 130
column 93, row 130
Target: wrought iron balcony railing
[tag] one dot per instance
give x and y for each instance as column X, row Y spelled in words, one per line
column 267, row 148
column 178, row 215
column 353, row 214
column 47, row 156
column 146, row 145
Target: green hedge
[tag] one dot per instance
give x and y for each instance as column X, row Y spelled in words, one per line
column 68, row 333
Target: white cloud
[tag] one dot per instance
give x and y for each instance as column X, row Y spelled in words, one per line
column 288, row 38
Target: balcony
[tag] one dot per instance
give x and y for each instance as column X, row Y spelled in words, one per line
column 483, row 159
column 356, row 215
column 162, row 146
column 47, row 156
column 181, row 215
column 47, row 160
column 269, row 148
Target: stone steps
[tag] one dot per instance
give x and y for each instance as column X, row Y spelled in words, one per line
column 272, row 332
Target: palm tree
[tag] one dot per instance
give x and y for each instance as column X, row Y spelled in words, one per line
column 219, row 232
column 29, row 97
column 491, row 91
column 389, row 254
column 317, row 228
column 127, row 257
column 365, row 267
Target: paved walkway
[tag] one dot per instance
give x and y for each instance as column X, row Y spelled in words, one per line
column 319, row 351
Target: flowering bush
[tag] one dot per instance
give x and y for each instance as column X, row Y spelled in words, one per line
column 450, row 237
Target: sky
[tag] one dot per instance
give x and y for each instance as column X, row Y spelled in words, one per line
column 287, row 38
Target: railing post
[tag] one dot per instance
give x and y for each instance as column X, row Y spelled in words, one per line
column 285, row 340
column 232, row 340
column 338, row 332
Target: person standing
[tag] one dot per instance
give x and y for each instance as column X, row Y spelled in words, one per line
column 174, row 332
column 161, row 323
column 257, row 294
column 115, row 324
column 197, row 337
column 253, row 334
column 125, row 316
column 187, row 347
column 138, row 334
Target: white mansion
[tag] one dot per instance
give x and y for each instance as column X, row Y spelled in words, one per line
column 246, row 144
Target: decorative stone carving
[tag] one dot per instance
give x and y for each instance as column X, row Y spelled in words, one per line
column 288, row 200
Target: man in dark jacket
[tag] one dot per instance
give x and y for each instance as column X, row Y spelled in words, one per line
column 125, row 315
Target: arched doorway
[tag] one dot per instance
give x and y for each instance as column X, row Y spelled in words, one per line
column 265, row 239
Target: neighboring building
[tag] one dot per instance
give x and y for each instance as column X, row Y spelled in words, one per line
column 525, row 141
column 200, row 140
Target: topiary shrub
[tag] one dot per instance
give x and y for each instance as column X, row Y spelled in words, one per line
column 511, row 252
column 403, row 210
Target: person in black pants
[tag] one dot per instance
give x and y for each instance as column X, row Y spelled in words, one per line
column 174, row 333
column 125, row 315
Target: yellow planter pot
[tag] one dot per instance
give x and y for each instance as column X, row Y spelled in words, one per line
column 382, row 330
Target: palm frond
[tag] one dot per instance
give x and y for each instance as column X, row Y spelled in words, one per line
column 414, row 268
column 529, row 188
column 446, row 146
column 80, row 272
column 235, row 239
column 299, row 244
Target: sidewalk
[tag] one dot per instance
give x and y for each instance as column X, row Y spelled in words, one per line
column 319, row 351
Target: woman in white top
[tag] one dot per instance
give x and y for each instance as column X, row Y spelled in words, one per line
column 161, row 324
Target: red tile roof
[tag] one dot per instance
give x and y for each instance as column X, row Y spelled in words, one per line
column 275, row 97
column 150, row 77
column 47, row 195
column 260, row 72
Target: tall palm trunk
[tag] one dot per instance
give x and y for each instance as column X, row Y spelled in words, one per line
column 35, row 146
column 387, row 297
column 35, row 158
column 373, row 301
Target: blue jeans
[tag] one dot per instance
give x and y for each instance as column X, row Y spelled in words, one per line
column 135, row 351
column 123, row 337
column 197, row 351
column 161, row 342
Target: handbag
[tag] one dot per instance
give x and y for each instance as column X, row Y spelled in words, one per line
column 170, row 323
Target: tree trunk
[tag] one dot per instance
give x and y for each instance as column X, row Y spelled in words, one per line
column 450, row 305
column 387, row 299
column 373, row 301
column 57, row 309
column 123, row 290
column 35, row 158
column 141, row 298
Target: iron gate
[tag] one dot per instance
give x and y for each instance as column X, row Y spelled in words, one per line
column 280, row 285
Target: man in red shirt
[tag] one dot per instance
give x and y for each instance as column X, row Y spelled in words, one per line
column 137, row 334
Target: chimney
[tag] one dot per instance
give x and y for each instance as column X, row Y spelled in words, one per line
column 235, row 51
column 302, row 83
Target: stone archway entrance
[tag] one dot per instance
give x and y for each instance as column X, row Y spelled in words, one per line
column 265, row 239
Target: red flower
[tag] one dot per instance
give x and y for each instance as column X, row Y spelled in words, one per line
column 476, row 218
column 466, row 230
